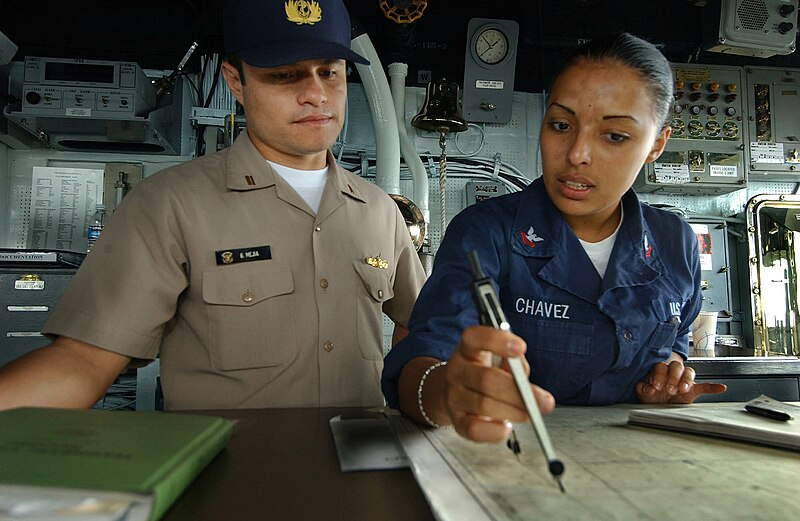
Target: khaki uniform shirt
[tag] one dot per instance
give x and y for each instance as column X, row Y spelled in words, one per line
column 250, row 299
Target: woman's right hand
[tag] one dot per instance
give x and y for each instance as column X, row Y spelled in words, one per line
column 481, row 399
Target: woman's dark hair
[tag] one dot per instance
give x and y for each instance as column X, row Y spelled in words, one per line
column 631, row 51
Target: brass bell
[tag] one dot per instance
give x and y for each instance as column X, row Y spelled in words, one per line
column 441, row 111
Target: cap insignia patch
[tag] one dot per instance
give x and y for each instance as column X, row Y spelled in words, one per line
column 303, row 12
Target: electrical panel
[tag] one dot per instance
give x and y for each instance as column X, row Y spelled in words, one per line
column 759, row 28
column 95, row 105
column 715, row 283
column 773, row 101
column 705, row 151
column 57, row 86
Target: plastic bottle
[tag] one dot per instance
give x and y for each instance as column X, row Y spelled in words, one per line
column 95, row 226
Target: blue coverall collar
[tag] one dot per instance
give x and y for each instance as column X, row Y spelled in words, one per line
column 540, row 231
column 635, row 244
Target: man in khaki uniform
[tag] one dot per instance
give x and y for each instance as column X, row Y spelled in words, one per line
column 259, row 274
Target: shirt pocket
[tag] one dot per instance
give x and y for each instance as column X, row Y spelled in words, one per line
column 375, row 289
column 250, row 315
column 666, row 326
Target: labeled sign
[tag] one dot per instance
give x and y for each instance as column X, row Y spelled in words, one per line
column 722, row 171
column 29, row 284
column 673, row 173
column 703, row 245
column 489, row 84
column 766, row 153
column 29, row 256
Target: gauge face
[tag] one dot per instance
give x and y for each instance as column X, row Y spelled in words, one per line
column 491, row 46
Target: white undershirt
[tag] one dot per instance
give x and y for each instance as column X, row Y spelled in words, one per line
column 309, row 184
column 600, row 252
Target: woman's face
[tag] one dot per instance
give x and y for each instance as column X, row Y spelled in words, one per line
column 598, row 131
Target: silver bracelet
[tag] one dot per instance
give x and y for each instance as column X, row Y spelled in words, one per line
column 419, row 393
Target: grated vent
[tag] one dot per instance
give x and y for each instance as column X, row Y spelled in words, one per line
column 753, row 14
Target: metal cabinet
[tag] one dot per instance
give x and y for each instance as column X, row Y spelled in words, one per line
column 31, row 284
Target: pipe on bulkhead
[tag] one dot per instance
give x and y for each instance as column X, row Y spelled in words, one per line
column 397, row 74
column 384, row 118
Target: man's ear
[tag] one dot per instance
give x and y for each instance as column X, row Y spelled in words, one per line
column 234, row 81
column 659, row 144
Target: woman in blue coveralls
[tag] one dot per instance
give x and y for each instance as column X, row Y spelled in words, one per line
column 600, row 288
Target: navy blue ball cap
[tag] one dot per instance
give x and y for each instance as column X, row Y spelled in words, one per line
column 269, row 33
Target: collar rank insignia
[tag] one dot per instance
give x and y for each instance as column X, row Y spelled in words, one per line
column 530, row 238
column 303, row 11
column 377, row 262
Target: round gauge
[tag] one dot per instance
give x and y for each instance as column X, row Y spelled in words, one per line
column 678, row 127
column 491, row 46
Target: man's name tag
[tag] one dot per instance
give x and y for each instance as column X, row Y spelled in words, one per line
column 253, row 253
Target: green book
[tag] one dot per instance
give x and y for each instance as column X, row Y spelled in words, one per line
column 64, row 464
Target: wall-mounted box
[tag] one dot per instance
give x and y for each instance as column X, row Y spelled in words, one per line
column 758, row 28
column 705, row 151
column 773, row 105
column 97, row 106
column 715, row 283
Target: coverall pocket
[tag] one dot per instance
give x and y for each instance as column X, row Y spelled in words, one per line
column 558, row 352
column 558, row 336
column 666, row 329
column 250, row 314
column 374, row 290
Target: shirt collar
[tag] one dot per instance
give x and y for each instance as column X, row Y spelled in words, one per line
column 247, row 170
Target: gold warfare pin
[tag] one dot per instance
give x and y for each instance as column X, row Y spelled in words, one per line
column 377, row 262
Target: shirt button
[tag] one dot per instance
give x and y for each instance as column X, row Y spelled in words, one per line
column 247, row 297
column 317, row 228
column 328, row 346
column 380, row 293
column 627, row 335
column 323, row 283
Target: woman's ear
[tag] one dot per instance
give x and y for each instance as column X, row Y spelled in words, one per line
column 659, row 144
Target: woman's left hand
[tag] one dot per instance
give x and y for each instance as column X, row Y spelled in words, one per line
column 673, row 382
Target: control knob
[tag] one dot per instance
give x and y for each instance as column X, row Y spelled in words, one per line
column 33, row 97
